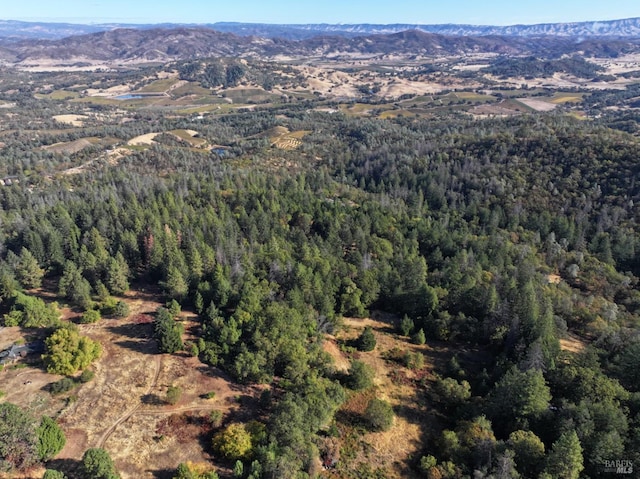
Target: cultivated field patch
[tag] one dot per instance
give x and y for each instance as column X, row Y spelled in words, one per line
column 73, row 120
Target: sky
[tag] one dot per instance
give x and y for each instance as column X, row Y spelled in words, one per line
column 481, row 12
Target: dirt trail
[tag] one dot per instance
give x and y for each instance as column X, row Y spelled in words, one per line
column 133, row 410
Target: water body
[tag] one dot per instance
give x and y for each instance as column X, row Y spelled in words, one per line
column 129, row 96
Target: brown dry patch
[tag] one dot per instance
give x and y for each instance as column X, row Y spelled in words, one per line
column 553, row 279
column 340, row 361
column 34, row 473
column 390, row 450
column 75, row 446
column 572, row 343
column 73, row 120
column 538, row 104
column 123, row 406
column 143, row 140
column 69, row 147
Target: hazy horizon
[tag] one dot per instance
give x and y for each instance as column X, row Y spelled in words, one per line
column 497, row 12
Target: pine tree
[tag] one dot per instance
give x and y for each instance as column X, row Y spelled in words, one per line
column 28, row 271
column 565, row 460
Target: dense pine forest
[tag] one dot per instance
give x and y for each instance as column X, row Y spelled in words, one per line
column 496, row 237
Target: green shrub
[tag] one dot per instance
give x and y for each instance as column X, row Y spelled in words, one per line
column 62, row 386
column 108, row 306
column 173, row 395
column 121, row 310
column 406, row 326
column 90, row 316
column 86, row 376
column 419, row 337
column 414, row 360
column 367, row 340
column 379, row 415
column 51, row 439
column 360, row 376
column 52, row 474
column 97, row 464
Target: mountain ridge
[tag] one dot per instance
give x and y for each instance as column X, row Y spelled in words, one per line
column 629, row 27
column 161, row 44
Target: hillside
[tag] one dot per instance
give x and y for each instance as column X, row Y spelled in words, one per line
column 393, row 256
column 161, row 45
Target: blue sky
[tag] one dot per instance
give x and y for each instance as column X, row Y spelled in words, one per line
column 488, row 12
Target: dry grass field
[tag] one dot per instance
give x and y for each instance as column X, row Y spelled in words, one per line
column 123, row 408
column 390, row 450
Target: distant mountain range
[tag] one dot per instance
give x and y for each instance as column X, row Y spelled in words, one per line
column 163, row 44
column 16, row 30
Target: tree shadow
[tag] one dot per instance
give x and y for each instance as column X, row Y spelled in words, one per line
column 163, row 473
column 133, row 331
column 69, row 467
column 350, row 418
column 152, row 400
column 149, row 346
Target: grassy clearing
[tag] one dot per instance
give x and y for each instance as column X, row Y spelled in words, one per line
column 159, row 86
column 560, row 98
column 396, row 114
column 191, row 88
column 98, row 100
column 60, row 95
column 190, row 136
column 473, row 96
column 246, row 95
column 387, row 453
column 70, row 147
column 516, row 105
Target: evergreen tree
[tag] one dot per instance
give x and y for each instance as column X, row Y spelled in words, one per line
column 565, row 459
column 367, row 340
column 28, row 271
column 51, row 439
column 118, row 275
column 168, row 332
column 97, row 464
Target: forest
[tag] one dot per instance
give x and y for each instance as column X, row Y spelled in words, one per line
column 495, row 239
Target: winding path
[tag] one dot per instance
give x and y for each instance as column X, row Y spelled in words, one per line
column 128, row 414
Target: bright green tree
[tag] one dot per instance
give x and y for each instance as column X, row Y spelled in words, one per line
column 379, row 415
column 565, row 459
column 51, row 439
column 529, row 452
column 53, row 474
column 118, row 275
column 406, row 325
column 97, row 464
column 168, row 332
column 419, row 337
column 90, row 316
column 367, row 340
column 360, row 375
column 67, row 351
column 233, row 443
column 519, row 396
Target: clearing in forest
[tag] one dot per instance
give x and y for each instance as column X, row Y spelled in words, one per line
column 73, row 120
column 123, row 408
column 143, row 140
column 70, row 147
column 392, row 450
column 289, row 140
